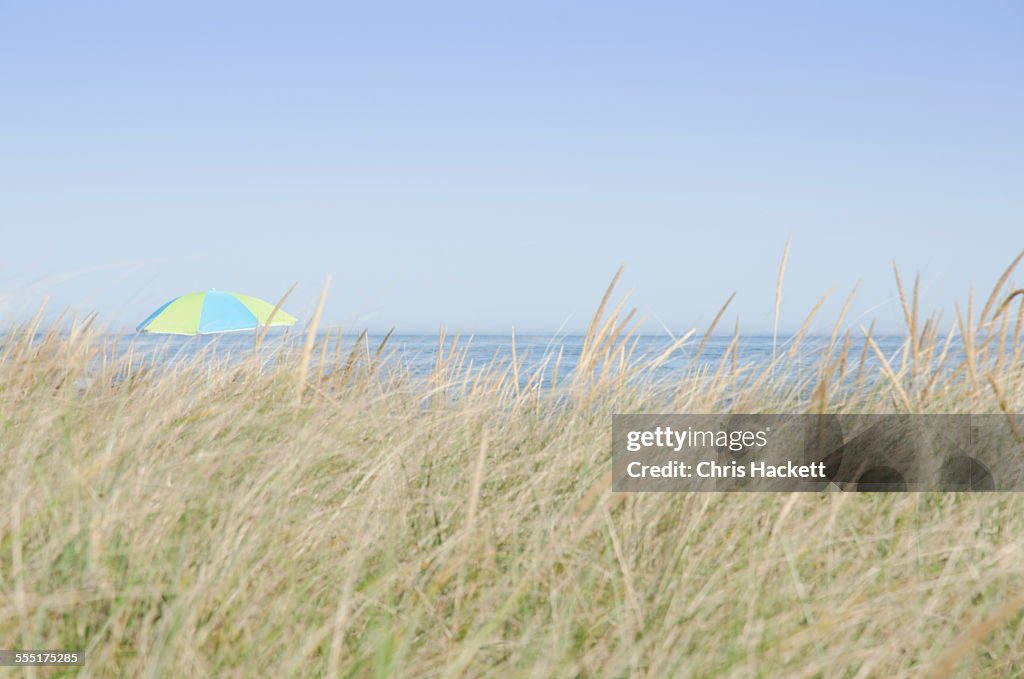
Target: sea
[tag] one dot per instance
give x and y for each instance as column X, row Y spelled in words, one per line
column 417, row 354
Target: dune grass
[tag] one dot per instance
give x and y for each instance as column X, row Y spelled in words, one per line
column 330, row 515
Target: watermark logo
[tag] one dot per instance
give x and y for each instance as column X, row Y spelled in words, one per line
column 757, row 452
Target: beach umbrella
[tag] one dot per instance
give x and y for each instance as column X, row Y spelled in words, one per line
column 204, row 313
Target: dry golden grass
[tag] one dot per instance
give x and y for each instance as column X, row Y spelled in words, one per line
column 348, row 520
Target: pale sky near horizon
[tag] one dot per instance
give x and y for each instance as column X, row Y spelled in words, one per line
column 484, row 166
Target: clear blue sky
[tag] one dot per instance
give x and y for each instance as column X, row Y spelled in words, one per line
column 485, row 165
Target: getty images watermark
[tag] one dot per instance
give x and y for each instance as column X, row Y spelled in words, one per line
column 685, row 453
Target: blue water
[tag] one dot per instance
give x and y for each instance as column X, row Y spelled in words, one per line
column 417, row 354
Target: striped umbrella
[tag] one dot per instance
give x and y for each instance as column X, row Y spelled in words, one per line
column 205, row 313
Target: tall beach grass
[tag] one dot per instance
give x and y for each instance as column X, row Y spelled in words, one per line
column 329, row 514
